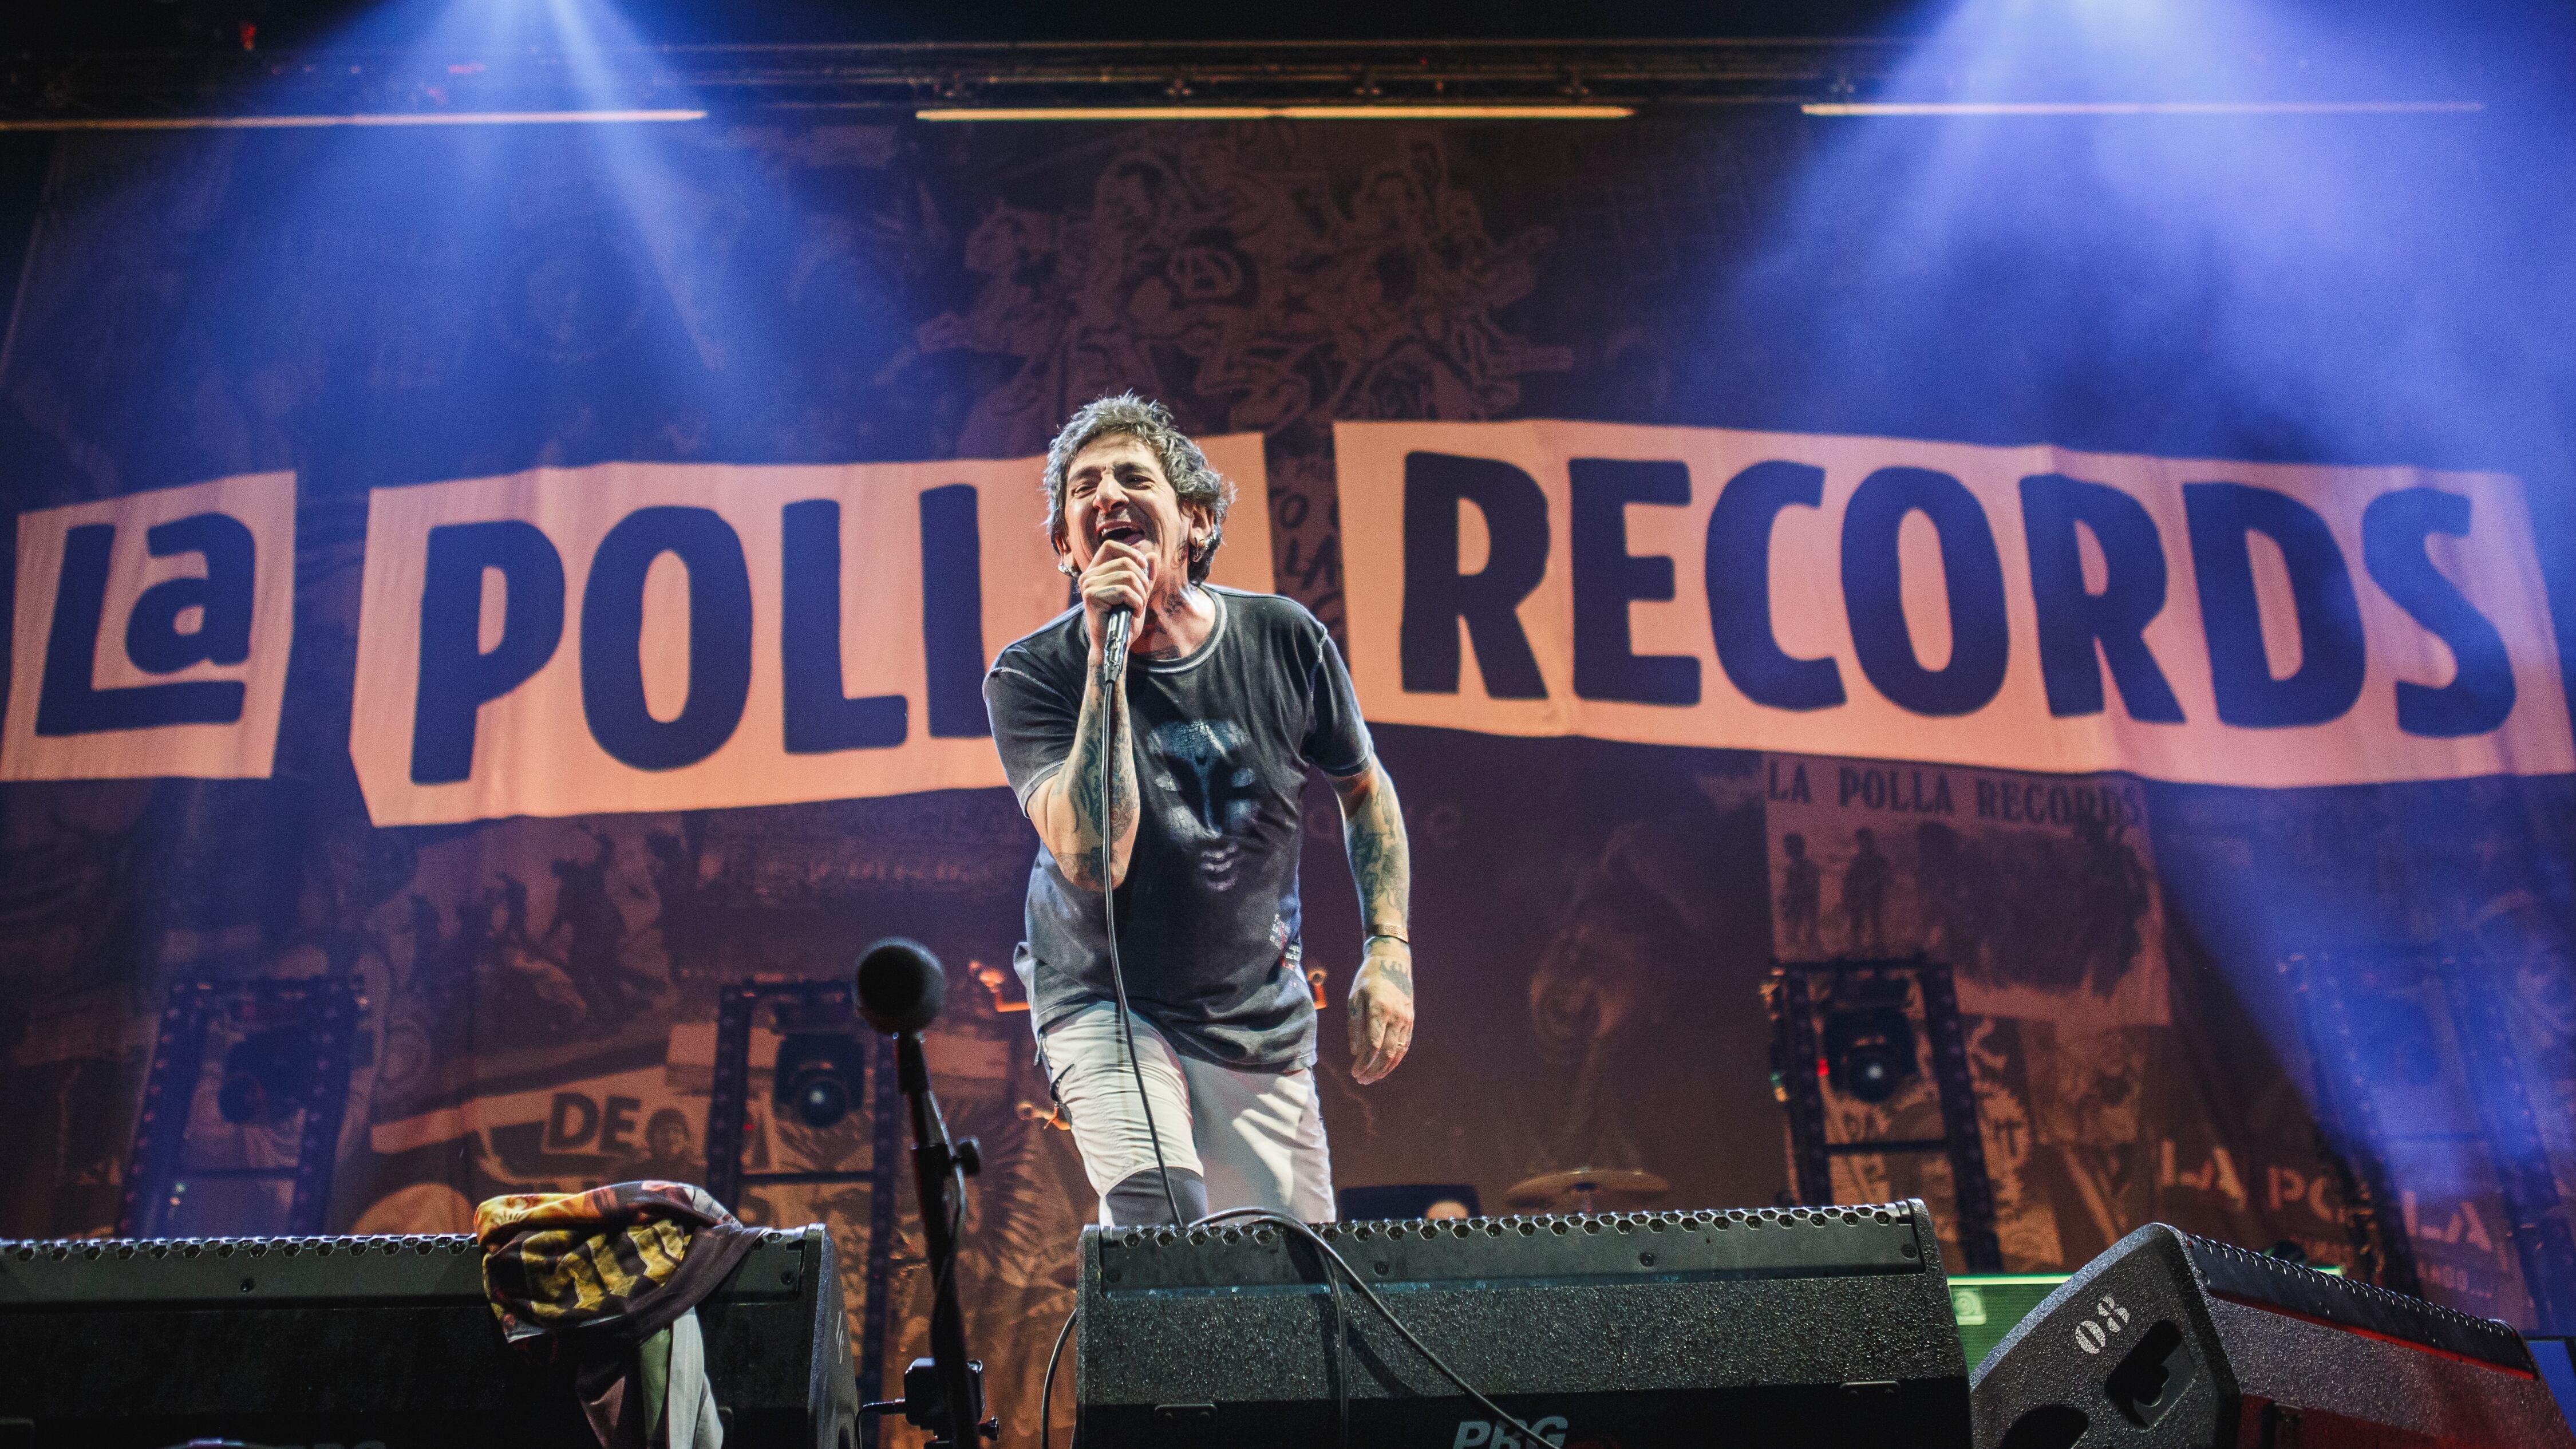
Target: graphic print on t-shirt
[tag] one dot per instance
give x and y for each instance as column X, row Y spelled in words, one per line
column 1208, row 793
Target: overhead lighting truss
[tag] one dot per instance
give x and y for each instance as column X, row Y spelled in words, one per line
column 1132, row 80
column 1238, row 80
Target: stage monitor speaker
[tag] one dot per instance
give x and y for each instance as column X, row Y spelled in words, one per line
column 1782, row 1328
column 127, row 1344
column 2170, row 1341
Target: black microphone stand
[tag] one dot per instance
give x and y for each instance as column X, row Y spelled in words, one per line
column 900, row 988
column 939, row 1172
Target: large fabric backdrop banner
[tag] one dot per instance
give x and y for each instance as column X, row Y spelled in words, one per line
column 758, row 636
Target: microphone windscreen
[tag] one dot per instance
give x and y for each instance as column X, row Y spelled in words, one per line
column 900, row 985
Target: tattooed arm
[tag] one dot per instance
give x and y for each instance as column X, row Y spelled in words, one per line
column 1382, row 864
column 1065, row 806
column 1068, row 806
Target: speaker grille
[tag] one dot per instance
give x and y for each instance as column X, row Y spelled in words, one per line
column 240, row 1272
column 1590, row 1248
column 2261, row 1281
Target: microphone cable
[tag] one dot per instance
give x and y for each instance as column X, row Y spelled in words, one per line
column 1332, row 1285
column 1046, row 1390
column 1115, row 666
column 1333, row 1256
column 1127, row 1032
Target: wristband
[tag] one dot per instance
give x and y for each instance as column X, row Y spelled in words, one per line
column 1385, row 936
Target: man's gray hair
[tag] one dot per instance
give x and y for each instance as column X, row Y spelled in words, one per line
column 1184, row 466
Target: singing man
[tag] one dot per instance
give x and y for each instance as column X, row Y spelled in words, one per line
column 1228, row 699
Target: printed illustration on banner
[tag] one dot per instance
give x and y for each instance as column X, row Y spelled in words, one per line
column 2039, row 892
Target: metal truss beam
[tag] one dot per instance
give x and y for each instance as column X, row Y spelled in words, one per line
column 752, row 80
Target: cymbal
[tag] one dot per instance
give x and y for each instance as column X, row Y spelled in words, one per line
column 1587, row 1189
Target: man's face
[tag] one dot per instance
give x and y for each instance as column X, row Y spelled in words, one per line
column 1116, row 490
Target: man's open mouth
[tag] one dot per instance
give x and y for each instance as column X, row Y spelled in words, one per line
column 1126, row 533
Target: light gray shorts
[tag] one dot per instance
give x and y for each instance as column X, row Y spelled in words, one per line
column 1256, row 1138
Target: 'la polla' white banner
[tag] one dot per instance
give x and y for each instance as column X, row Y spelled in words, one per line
column 2027, row 608
column 636, row 636
column 151, row 634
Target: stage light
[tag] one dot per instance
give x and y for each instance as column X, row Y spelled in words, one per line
column 267, row 1075
column 1869, row 1042
column 819, row 1076
column 1274, row 113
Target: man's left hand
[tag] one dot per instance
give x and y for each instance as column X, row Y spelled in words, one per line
column 1381, row 1010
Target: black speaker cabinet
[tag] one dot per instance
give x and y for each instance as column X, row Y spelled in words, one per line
column 1804, row 1328
column 2170, row 1341
column 126, row 1344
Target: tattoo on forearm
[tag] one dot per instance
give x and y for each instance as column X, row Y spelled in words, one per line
column 1121, row 767
column 1088, row 769
column 1381, row 860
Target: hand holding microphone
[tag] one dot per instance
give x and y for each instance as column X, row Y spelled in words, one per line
column 1114, row 660
column 1114, row 591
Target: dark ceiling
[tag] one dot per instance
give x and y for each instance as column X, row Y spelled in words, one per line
column 161, row 58
column 194, row 24
column 203, row 24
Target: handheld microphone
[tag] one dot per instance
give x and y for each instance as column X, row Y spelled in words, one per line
column 1114, row 653
column 900, row 986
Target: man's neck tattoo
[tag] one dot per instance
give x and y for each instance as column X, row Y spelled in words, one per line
column 1166, row 613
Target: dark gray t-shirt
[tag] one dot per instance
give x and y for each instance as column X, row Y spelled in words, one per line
column 1208, row 917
